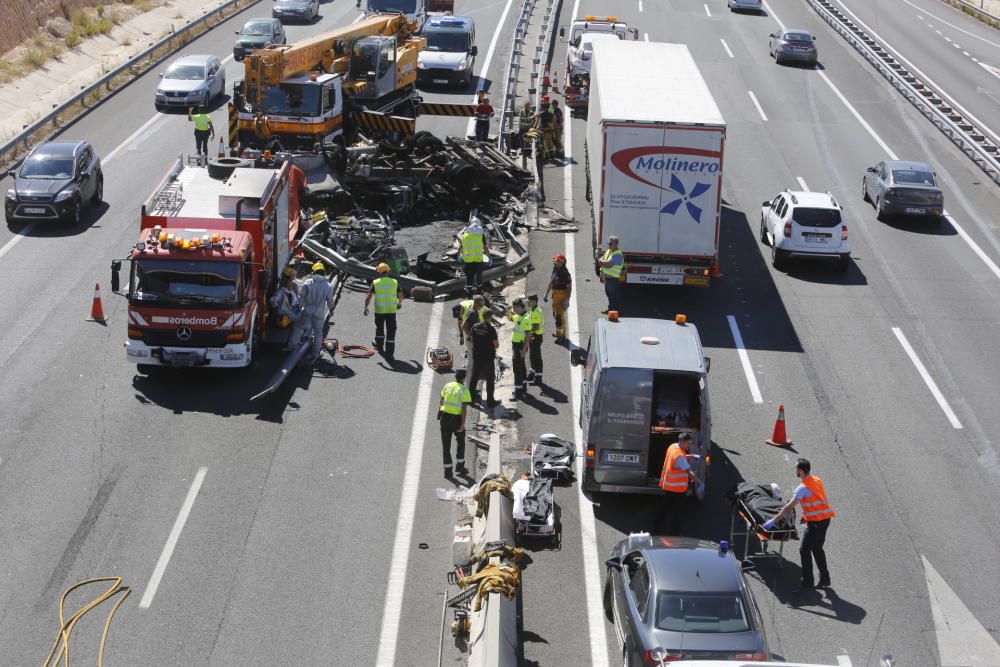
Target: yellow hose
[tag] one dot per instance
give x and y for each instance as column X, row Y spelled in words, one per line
column 60, row 647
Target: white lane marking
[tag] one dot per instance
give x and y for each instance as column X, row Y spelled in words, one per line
column 132, row 137
column 760, row 110
column 970, row 34
column 640, row 5
column 802, row 183
column 484, row 71
column 645, row 36
column 961, row 638
column 175, row 534
column 726, row 47
column 938, row 32
column 974, row 60
column 950, row 98
column 844, row 661
column 745, row 359
column 225, row 61
column 928, row 380
column 919, row 17
column 9, row 245
column 990, row 264
column 707, row 11
column 947, row 39
column 965, row 53
column 588, row 525
column 396, row 585
column 992, row 70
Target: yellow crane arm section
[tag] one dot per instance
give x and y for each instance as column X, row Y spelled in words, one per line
column 271, row 65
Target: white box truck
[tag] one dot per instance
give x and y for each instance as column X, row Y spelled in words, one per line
column 655, row 141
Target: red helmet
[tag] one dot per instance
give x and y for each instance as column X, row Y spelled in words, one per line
column 545, row 98
column 559, row 258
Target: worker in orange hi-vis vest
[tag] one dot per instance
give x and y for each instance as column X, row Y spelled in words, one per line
column 674, row 479
column 816, row 514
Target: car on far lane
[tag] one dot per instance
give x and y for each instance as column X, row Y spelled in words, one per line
column 793, row 45
column 898, row 187
column 256, row 34
column 805, row 224
column 295, row 10
column 747, row 5
column 190, row 81
column 681, row 597
column 55, row 182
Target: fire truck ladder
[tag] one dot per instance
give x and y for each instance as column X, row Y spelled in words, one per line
column 170, row 199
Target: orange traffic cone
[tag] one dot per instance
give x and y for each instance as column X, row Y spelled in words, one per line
column 545, row 78
column 555, row 81
column 779, row 438
column 714, row 271
column 96, row 309
column 222, row 148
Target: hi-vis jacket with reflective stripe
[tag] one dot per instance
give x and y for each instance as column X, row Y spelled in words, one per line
column 815, row 507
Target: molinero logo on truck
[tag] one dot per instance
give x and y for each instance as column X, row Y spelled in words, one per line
column 646, row 164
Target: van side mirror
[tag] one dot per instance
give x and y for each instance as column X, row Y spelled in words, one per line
column 614, row 563
column 474, row 51
column 116, row 267
column 870, row 170
column 708, row 364
column 635, row 33
column 578, row 357
column 766, row 204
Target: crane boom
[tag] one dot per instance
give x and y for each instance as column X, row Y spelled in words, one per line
column 328, row 52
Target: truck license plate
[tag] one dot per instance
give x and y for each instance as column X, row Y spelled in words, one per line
column 667, row 269
column 618, row 457
column 34, row 209
column 909, row 210
column 440, row 80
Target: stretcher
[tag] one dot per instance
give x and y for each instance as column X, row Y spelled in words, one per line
column 539, row 507
column 552, row 457
column 752, row 506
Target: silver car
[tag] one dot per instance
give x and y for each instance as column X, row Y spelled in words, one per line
column 190, row 81
column 681, row 598
column 793, row 45
column 898, row 187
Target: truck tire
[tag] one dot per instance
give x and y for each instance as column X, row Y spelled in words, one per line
column 222, row 167
column 461, row 175
column 422, row 294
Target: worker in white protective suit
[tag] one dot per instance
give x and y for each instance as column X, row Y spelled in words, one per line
column 286, row 305
column 317, row 297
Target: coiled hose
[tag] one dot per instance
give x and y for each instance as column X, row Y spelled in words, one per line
column 60, row 647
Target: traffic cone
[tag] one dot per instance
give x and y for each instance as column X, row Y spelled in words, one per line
column 97, row 309
column 545, row 78
column 778, row 437
column 714, row 271
column 555, row 81
column 222, row 148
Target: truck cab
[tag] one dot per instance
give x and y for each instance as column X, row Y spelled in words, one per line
column 415, row 10
column 645, row 383
column 580, row 37
column 301, row 111
column 210, row 247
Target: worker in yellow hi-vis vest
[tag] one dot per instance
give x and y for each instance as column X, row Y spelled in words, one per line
column 388, row 300
column 203, row 129
column 473, row 244
column 455, row 396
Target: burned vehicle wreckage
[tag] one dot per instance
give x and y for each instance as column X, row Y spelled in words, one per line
column 407, row 203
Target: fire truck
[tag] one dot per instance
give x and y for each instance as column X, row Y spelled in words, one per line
column 212, row 243
column 322, row 89
column 579, row 52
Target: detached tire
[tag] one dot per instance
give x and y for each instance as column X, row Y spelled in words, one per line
column 422, row 294
column 222, row 167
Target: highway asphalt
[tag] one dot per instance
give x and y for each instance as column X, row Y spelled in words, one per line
column 313, row 532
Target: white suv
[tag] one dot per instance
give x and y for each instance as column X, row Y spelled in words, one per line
column 805, row 223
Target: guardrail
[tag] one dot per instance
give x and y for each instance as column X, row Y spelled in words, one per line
column 979, row 12
column 508, row 110
column 140, row 63
column 931, row 103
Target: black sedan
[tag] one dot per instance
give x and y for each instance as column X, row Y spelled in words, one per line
column 681, row 598
column 55, row 182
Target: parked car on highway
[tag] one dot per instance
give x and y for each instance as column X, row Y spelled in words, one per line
column 809, row 224
column 793, row 45
column 295, row 10
column 580, row 54
column 450, row 56
column 898, row 187
column 55, row 182
column 256, row 34
column 191, row 81
column 748, row 5
column 682, row 597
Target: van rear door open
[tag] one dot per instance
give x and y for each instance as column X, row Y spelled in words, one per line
column 624, row 398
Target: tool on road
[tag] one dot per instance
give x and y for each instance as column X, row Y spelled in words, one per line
column 96, row 308
column 439, row 358
column 778, row 437
column 59, row 653
column 356, row 351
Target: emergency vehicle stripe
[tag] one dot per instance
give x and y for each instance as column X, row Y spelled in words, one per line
column 436, row 109
column 234, row 125
column 372, row 120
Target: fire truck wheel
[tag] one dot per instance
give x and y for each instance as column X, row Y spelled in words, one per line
column 222, row 167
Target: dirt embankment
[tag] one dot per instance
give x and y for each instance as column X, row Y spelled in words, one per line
column 19, row 19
